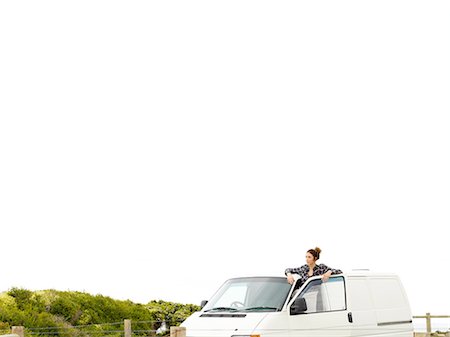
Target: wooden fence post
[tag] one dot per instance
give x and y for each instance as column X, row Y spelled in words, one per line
column 177, row 331
column 127, row 327
column 18, row 330
column 428, row 318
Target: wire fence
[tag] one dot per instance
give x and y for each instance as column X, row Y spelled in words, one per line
column 128, row 328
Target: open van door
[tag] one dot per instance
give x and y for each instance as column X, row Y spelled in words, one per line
column 320, row 309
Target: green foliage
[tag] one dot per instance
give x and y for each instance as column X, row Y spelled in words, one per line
column 172, row 313
column 77, row 314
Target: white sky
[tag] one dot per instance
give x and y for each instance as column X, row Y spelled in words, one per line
column 151, row 150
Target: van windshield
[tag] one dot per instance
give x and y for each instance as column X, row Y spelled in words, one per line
column 250, row 294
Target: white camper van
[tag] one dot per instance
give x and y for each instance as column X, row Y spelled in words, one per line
column 347, row 305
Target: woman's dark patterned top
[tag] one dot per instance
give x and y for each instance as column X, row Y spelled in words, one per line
column 319, row 269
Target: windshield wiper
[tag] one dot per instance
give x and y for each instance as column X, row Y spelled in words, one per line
column 222, row 309
column 260, row 308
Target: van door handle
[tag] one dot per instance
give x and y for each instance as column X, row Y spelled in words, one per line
column 350, row 317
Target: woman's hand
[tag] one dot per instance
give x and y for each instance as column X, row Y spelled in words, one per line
column 290, row 278
column 326, row 276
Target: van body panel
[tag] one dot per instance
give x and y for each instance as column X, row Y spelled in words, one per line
column 274, row 324
column 379, row 306
column 390, row 303
column 218, row 324
column 327, row 324
column 360, row 303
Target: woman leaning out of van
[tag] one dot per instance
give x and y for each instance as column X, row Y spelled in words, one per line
column 311, row 268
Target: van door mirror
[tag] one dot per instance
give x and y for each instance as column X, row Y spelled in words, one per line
column 203, row 303
column 299, row 306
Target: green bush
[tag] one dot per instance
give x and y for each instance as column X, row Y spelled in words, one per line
column 77, row 314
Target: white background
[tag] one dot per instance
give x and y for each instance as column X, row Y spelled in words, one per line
column 151, row 150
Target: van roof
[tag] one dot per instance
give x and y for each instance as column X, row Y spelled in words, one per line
column 366, row 272
column 352, row 273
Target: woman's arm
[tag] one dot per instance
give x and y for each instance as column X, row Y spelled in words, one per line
column 327, row 272
column 289, row 271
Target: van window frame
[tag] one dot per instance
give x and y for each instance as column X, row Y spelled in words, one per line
column 312, row 279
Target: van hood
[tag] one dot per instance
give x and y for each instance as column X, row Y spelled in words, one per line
column 222, row 324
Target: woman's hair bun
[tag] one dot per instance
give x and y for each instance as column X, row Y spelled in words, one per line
column 315, row 252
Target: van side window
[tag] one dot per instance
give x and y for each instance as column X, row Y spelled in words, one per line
column 325, row 296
